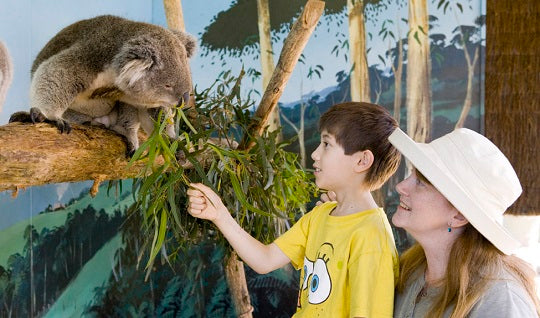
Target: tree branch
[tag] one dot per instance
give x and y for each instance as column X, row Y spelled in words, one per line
column 292, row 48
column 38, row 154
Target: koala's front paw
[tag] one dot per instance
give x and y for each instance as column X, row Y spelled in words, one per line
column 36, row 116
column 20, row 117
column 130, row 150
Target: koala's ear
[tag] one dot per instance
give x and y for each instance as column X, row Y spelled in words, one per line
column 134, row 59
column 189, row 41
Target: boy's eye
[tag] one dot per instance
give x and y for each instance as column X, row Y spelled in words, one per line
column 325, row 143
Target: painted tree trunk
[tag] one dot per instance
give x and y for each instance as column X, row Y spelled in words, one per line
column 267, row 59
column 468, row 96
column 398, row 74
column 418, row 73
column 360, row 91
column 174, row 14
column 175, row 21
column 301, row 137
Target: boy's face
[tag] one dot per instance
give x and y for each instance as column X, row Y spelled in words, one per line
column 333, row 168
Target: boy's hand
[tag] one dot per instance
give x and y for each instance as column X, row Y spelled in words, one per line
column 204, row 203
column 327, row 196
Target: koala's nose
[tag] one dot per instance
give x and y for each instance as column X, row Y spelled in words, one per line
column 184, row 99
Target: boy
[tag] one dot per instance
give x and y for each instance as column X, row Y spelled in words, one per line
column 346, row 248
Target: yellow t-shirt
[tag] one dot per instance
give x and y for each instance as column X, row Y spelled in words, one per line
column 349, row 263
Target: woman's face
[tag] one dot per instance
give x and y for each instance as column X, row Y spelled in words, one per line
column 422, row 208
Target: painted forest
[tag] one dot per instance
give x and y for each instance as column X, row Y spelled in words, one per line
column 133, row 251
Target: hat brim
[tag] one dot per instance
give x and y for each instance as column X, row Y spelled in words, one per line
column 425, row 159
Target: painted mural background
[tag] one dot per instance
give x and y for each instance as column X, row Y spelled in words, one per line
column 65, row 254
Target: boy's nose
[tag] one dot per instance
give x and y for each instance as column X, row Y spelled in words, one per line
column 314, row 154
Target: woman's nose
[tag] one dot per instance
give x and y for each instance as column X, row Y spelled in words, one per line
column 400, row 187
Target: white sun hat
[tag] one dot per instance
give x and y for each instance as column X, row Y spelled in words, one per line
column 473, row 174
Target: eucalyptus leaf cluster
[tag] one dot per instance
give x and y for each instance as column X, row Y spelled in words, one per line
column 264, row 187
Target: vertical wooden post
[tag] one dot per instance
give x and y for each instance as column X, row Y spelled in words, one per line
column 236, row 280
column 512, row 110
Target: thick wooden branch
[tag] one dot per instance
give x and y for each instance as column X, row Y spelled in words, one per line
column 38, row 154
column 292, row 48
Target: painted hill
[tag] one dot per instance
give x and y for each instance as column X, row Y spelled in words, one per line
column 12, row 238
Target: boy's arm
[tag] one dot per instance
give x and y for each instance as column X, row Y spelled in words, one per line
column 206, row 204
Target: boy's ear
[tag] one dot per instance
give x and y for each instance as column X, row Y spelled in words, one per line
column 364, row 160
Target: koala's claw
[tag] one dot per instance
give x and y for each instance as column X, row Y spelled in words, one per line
column 130, row 151
column 63, row 126
column 185, row 99
column 36, row 116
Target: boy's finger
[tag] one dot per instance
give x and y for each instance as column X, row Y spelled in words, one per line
column 193, row 192
column 194, row 211
column 197, row 206
column 207, row 192
column 196, row 199
column 199, row 186
column 332, row 195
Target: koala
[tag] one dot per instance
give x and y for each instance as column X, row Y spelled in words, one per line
column 6, row 73
column 109, row 70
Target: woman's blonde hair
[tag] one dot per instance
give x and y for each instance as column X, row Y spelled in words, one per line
column 474, row 262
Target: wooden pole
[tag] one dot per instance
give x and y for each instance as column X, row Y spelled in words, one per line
column 292, row 48
column 512, row 110
column 236, row 280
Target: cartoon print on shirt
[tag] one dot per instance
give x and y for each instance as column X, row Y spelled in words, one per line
column 316, row 276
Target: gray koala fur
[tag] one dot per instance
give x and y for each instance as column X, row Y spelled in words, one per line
column 6, row 73
column 109, row 70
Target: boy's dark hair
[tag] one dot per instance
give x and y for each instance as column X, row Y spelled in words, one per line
column 359, row 126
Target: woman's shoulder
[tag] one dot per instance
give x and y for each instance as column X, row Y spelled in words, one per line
column 505, row 297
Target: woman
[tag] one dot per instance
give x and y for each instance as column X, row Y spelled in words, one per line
column 452, row 204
